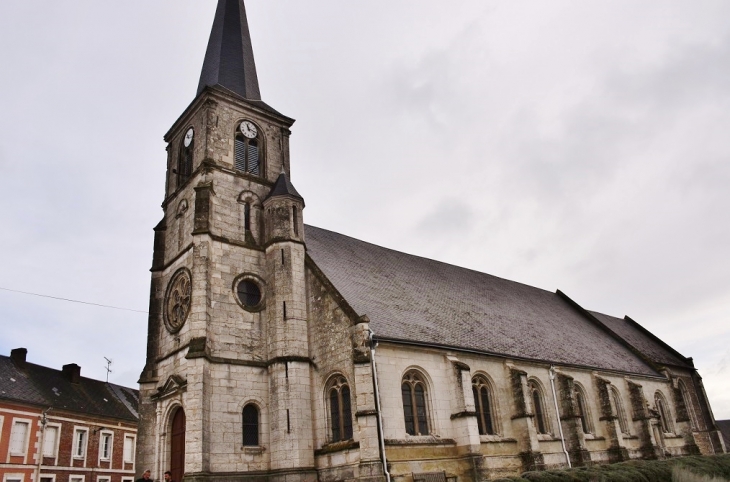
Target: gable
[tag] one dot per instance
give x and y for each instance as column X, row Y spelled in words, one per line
column 417, row 300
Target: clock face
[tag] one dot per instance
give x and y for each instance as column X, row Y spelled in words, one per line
column 188, row 137
column 248, row 129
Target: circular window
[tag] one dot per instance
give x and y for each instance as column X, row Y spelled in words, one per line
column 249, row 293
column 177, row 301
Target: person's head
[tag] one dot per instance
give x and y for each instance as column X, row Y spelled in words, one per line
column 168, row 475
column 146, row 474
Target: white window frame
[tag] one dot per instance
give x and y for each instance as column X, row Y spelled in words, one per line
column 104, row 478
column 57, row 426
column 134, row 442
column 103, row 434
column 14, row 477
column 75, row 446
column 127, row 479
column 48, row 476
column 29, row 424
column 76, row 478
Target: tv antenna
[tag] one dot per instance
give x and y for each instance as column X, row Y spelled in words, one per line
column 108, row 368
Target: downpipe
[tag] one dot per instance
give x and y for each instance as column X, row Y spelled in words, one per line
column 557, row 410
column 381, row 441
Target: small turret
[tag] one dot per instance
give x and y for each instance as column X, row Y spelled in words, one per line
column 283, row 210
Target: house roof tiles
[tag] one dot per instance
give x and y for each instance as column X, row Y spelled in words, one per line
column 45, row 387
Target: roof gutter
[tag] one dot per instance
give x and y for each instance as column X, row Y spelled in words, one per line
column 381, row 437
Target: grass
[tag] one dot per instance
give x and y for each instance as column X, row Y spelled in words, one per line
column 713, row 468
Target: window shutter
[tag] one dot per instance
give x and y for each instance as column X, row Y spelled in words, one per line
column 18, row 438
column 49, row 441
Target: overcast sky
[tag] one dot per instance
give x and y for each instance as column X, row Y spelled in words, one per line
column 580, row 146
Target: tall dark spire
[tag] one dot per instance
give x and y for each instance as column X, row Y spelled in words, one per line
column 229, row 59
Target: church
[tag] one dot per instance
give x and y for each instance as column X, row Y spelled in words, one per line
column 278, row 351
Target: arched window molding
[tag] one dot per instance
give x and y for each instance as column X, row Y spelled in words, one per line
column 665, row 416
column 537, row 398
column 620, row 412
column 248, row 152
column 584, row 413
column 688, row 405
column 485, row 405
column 339, row 408
column 414, row 393
column 250, row 425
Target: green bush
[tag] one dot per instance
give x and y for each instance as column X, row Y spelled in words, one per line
column 696, row 468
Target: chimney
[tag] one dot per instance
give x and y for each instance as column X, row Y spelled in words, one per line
column 18, row 356
column 72, row 371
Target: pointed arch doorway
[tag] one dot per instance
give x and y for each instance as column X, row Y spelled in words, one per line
column 177, row 446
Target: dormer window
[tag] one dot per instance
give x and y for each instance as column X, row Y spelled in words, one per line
column 247, row 148
column 185, row 161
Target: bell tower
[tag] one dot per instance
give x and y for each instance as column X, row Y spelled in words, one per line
column 225, row 391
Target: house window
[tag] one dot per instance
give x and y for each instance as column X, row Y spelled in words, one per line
column 103, row 478
column 105, row 446
column 48, row 478
column 19, row 438
column 414, row 393
column 538, row 407
column 79, row 447
column 50, row 441
column 185, row 161
column 128, row 449
column 582, row 408
column 664, row 415
column 484, row 406
column 250, row 425
column 340, row 411
column 620, row 412
column 13, row 478
column 247, row 149
column 76, row 478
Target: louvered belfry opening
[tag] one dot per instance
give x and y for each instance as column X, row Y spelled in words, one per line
column 185, row 163
column 247, row 155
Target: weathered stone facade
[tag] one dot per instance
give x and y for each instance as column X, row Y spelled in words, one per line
column 265, row 327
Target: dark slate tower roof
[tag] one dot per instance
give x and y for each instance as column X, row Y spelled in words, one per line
column 229, row 59
column 284, row 187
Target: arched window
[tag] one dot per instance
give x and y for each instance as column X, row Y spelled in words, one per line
column 338, row 398
column 250, row 425
column 665, row 418
column 415, row 413
column 620, row 412
column 539, row 408
column 482, row 391
column 185, row 161
column 688, row 405
column 583, row 413
column 247, row 148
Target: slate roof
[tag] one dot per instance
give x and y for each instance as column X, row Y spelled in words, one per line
column 638, row 337
column 45, row 387
column 229, row 58
column 419, row 300
column 284, row 187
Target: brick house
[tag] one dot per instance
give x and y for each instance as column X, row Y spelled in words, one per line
column 85, row 429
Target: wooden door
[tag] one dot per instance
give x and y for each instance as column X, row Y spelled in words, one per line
column 177, row 446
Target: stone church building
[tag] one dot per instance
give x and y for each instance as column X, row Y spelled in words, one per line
column 281, row 351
